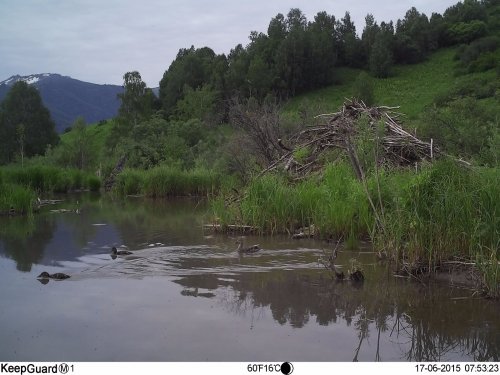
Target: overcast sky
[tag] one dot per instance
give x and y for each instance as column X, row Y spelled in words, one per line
column 100, row 40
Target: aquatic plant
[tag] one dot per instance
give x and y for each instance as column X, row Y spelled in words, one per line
column 444, row 211
column 334, row 203
column 16, row 199
column 45, row 178
column 129, row 182
column 167, row 181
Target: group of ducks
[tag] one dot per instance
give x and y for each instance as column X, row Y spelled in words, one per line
column 115, row 252
column 61, row 276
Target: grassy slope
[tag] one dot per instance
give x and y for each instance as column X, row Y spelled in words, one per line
column 412, row 87
column 97, row 134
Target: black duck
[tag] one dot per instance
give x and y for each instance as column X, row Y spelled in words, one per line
column 114, row 251
column 56, row 276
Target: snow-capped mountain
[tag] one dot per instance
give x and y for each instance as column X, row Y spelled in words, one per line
column 68, row 98
column 33, row 78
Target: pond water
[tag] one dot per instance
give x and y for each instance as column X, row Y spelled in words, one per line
column 186, row 295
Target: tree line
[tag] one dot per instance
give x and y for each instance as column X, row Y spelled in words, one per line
column 297, row 55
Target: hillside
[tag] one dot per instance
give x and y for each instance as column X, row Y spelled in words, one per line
column 412, row 87
column 68, row 98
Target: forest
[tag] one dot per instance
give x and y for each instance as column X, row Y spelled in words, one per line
column 221, row 125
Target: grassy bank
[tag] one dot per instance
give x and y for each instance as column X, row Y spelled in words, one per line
column 442, row 212
column 19, row 187
column 167, row 181
column 16, row 199
column 50, row 179
column 335, row 204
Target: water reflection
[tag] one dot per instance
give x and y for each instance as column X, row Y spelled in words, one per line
column 385, row 316
column 208, row 285
column 25, row 240
column 99, row 224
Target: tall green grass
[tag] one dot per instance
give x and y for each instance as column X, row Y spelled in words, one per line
column 167, row 181
column 42, row 178
column 445, row 211
column 334, row 203
column 16, row 199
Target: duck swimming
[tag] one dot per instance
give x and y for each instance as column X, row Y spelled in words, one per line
column 114, row 251
column 57, row 276
column 246, row 250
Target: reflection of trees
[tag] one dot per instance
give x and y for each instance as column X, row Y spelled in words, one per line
column 407, row 314
column 468, row 329
column 142, row 221
column 24, row 240
column 401, row 315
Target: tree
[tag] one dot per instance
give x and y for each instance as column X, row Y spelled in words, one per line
column 350, row 46
column 81, row 145
column 292, row 54
column 369, row 33
column 24, row 115
column 194, row 68
column 21, row 134
column 238, row 63
column 381, row 57
column 259, row 77
column 199, row 103
column 137, row 105
column 323, row 51
column 277, row 29
column 76, row 148
column 466, row 32
column 437, row 32
column 413, row 37
column 466, row 11
column 137, row 99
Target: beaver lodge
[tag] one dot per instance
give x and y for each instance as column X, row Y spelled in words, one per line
column 339, row 130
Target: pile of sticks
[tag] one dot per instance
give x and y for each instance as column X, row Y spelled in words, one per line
column 340, row 130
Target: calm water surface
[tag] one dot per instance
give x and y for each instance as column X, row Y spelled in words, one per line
column 186, row 295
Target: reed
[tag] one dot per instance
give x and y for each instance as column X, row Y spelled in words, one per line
column 93, row 183
column 130, row 182
column 42, row 178
column 269, row 205
column 488, row 264
column 344, row 210
column 334, row 203
column 443, row 212
column 16, row 199
column 167, row 181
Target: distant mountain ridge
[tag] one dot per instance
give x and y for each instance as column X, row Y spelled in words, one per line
column 67, row 98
